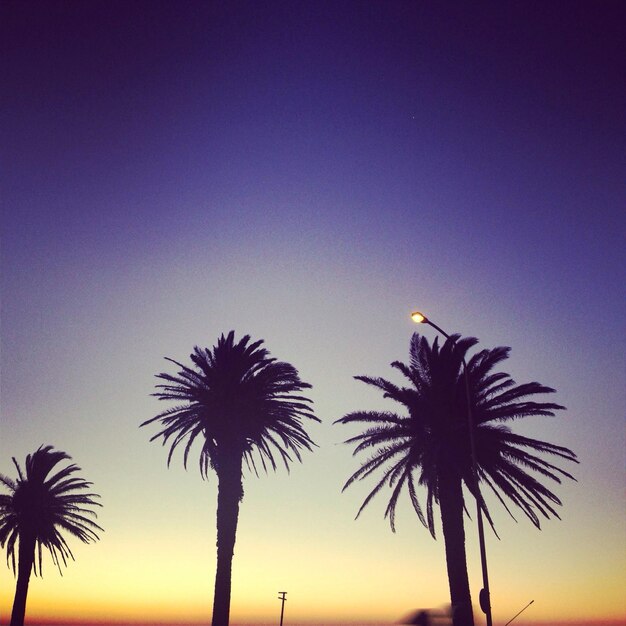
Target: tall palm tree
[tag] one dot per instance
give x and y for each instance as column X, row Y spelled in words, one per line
column 38, row 508
column 429, row 446
column 244, row 407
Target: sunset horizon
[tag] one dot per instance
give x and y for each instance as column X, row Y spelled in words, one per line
column 616, row 621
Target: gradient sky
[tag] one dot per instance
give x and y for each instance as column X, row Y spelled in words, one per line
column 309, row 173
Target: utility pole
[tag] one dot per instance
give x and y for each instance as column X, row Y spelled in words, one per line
column 282, row 608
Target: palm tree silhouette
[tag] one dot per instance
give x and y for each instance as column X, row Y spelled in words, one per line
column 244, row 406
column 429, row 446
column 37, row 510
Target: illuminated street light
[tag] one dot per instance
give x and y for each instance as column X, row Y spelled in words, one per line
column 483, row 598
column 418, row 317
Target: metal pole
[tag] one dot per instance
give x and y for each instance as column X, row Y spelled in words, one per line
column 517, row 614
column 484, row 596
column 282, row 608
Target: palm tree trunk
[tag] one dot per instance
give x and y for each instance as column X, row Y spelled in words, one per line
column 451, row 504
column 26, row 554
column 229, row 494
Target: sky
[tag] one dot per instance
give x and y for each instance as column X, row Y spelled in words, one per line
column 309, row 173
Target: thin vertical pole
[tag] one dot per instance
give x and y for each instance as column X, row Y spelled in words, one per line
column 282, row 608
column 484, row 596
column 517, row 614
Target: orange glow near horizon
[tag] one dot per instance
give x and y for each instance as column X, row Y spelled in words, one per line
column 46, row 609
column 42, row 620
column 170, row 580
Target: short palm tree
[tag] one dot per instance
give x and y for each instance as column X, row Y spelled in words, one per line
column 428, row 446
column 41, row 506
column 243, row 406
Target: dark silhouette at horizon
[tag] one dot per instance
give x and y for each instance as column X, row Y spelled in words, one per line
column 241, row 404
column 427, row 617
column 35, row 511
column 430, row 446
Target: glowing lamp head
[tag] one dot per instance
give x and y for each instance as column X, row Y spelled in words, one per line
column 418, row 318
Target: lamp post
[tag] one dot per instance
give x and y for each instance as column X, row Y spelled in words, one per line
column 484, row 598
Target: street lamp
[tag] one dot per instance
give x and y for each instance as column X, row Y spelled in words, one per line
column 483, row 598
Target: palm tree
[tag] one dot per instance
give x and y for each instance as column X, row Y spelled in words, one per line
column 37, row 510
column 429, row 446
column 244, row 407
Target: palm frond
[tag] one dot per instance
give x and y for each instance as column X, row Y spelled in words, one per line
column 236, row 400
column 46, row 503
column 432, row 434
